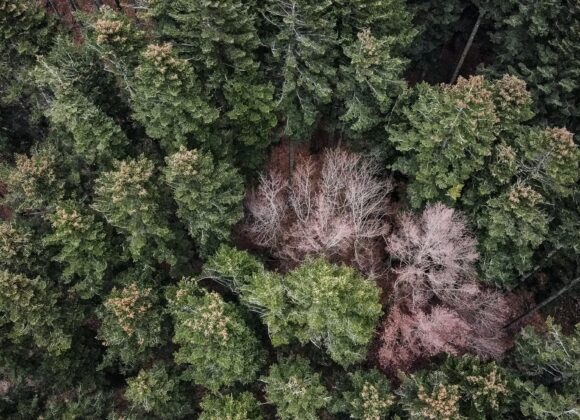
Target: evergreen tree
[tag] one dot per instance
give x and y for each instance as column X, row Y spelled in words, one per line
column 295, row 389
column 129, row 198
column 462, row 388
column 368, row 396
column 303, row 44
column 215, row 341
column 208, row 196
column 30, row 310
column 330, row 306
column 97, row 138
column 221, row 42
column 130, row 324
column 169, row 101
column 243, row 406
column 25, row 32
column 373, row 37
column 155, row 392
column 86, row 250
column 539, row 42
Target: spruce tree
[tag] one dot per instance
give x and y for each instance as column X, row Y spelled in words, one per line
column 208, row 196
column 129, row 198
column 303, row 44
column 216, row 344
column 169, row 100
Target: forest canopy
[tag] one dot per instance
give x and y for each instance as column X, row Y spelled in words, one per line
column 289, row 209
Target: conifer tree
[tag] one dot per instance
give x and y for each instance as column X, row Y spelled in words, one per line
column 30, row 310
column 154, row 392
column 308, row 304
column 129, row 198
column 229, row 406
column 85, row 249
column 538, row 42
column 208, row 195
column 215, row 341
column 367, row 396
column 373, row 37
column 131, row 324
column 169, row 100
column 303, row 44
column 97, row 138
column 295, row 389
column 221, row 41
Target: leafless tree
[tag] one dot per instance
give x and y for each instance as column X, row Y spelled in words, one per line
column 336, row 206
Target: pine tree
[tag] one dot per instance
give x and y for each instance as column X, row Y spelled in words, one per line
column 208, row 195
column 373, row 38
column 30, row 310
column 539, row 42
column 169, row 101
column 221, row 42
column 367, row 396
column 216, row 344
column 97, row 138
column 154, row 391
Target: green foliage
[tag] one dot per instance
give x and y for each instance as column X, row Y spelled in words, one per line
column 34, row 182
column 85, row 249
column 168, row 100
column 215, row 341
column 97, row 138
column 515, row 226
column 243, row 406
column 78, row 403
column 29, row 309
column 448, row 133
column 303, row 43
column 221, row 41
column 130, row 324
column 368, row 396
column 330, row 306
column 232, row 267
column 208, row 195
column 372, row 36
column 20, row 250
column 155, row 391
column 552, row 355
column 129, row 198
column 295, row 389
column 25, row 31
column 539, row 403
column 463, row 387
column 538, row 42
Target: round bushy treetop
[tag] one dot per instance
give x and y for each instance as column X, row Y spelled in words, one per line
column 208, row 195
column 331, row 306
column 243, row 406
column 131, row 324
column 215, row 341
column 154, row 392
column 295, row 389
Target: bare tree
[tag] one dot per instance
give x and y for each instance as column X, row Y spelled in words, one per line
column 336, row 206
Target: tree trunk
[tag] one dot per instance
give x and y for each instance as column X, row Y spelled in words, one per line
column 467, row 48
column 536, row 268
column 545, row 302
column 54, row 8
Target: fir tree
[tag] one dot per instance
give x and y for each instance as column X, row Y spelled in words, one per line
column 208, row 196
